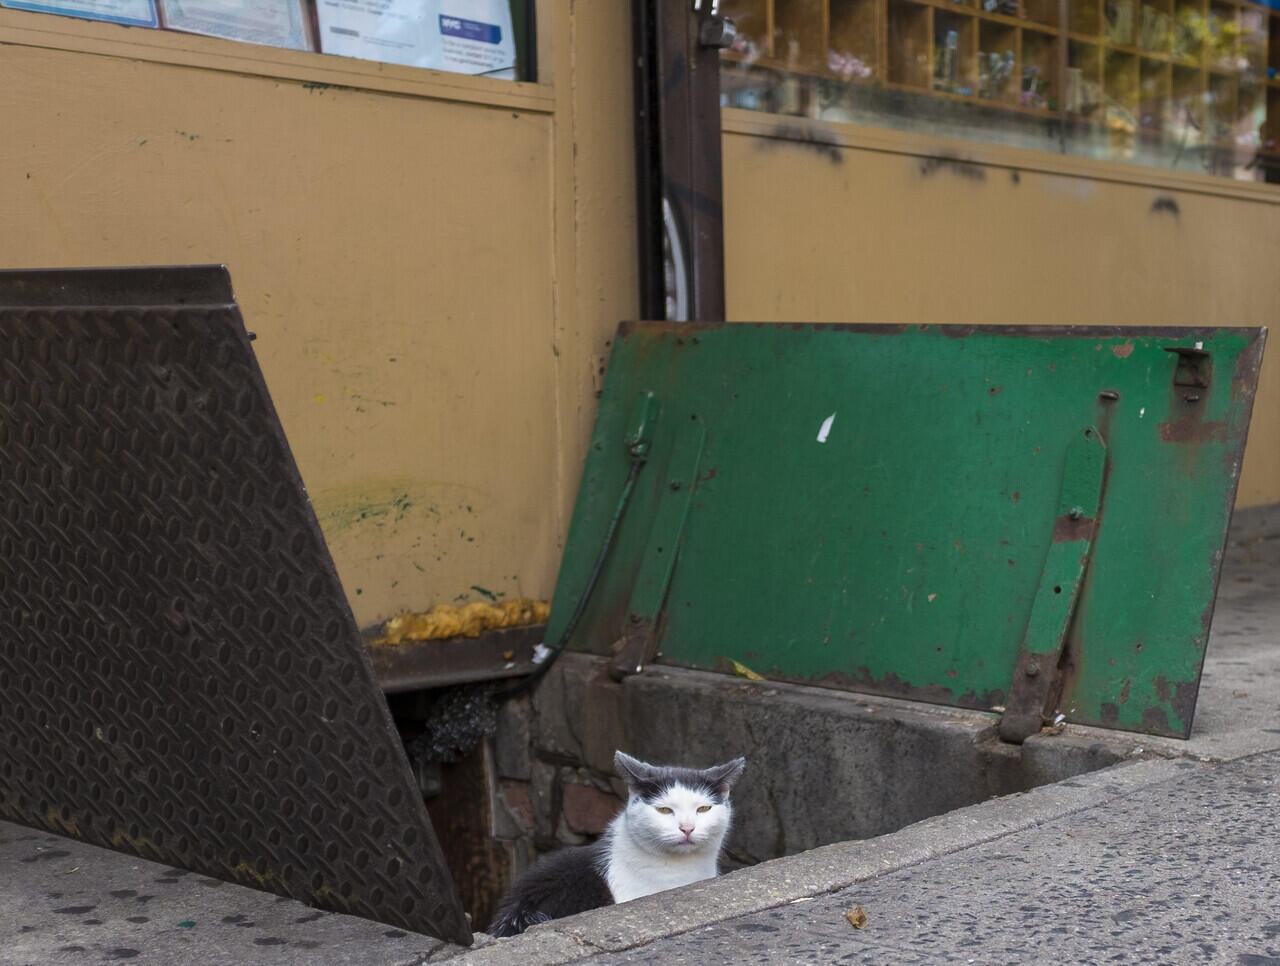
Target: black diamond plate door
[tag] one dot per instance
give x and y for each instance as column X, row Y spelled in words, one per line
column 180, row 674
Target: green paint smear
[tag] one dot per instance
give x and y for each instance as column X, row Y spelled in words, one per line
column 356, row 512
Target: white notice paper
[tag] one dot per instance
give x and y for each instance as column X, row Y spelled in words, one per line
column 463, row 36
column 276, row 23
column 135, row 13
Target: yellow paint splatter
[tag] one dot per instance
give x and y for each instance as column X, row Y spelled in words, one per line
column 444, row 620
column 58, row 823
column 243, row 870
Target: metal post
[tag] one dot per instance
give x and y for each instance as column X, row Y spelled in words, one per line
column 680, row 219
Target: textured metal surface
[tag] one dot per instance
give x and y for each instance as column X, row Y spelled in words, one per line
column 182, row 677
column 875, row 504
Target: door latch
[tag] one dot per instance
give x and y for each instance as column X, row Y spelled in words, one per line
column 715, row 30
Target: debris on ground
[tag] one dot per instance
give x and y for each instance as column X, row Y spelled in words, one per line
column 857, row 917
column 457, row 720
column 743, row 671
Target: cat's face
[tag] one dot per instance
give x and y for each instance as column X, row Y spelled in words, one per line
column 678, row 810
column 679, row 819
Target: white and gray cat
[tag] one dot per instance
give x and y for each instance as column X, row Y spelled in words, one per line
column 669, row 835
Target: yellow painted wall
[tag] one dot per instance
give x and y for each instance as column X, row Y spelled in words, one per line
column 885, row 227
column 434, row 264
column 431, row 268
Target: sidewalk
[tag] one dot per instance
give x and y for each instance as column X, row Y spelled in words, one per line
column 1170, row 859
column 1175, row 863
column 64, row 902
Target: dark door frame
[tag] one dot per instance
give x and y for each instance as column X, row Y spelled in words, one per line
column 679, row 199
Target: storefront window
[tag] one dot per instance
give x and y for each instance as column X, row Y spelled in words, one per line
column 489, row 37
column 1190, row 85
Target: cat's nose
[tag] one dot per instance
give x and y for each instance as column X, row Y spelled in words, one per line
column 686, row 829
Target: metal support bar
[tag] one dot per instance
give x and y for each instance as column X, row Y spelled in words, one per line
column 679, row 195
column 420, row 665
column 649, row 594
column 1059, row 589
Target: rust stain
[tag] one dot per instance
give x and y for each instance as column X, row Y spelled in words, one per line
column 1122, row 351
column 1184, row 702
column 1191, row 430
column 1161, row 684
column 1124, row 691
column 1066, row 529
column 660, row 329
column 1244, row 377
column 862, row 681
column 981, row 702
column 1156, row 722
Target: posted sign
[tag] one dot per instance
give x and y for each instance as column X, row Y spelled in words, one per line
column 463, row 36
column 277, row 23
column 133, row 13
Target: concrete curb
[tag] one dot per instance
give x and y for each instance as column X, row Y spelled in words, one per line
column 818, row 871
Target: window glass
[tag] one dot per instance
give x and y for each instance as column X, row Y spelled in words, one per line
column 490, row 37
column 1189, row 85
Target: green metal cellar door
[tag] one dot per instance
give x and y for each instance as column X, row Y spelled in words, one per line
column 1024, row 519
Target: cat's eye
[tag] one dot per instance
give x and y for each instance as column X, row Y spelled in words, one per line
column 663, row 809
column 704, row 808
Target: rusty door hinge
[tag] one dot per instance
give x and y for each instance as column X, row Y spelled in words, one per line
column 639, row 638
column 1058, row 594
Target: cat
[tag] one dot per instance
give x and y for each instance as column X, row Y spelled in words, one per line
column 668, row 835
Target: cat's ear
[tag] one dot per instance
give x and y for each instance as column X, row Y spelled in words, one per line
column 635, row 771
column 722, row 777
